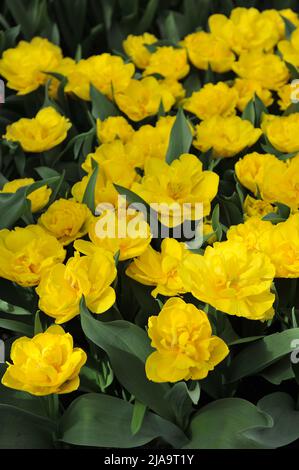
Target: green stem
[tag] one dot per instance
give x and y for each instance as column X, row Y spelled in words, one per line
column 53, row 407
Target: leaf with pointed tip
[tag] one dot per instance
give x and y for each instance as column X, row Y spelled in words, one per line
column 180, row 138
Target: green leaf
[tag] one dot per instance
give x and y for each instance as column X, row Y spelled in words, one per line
column 180, row 138
column 128, row 347
column 278, row 372
column 8, row 38
column 249, row 112
column 102, row 107
column 170, row 28
column 161, row 112
column 285, row 426
column 108, row 8
column 192, row 84
column 209, row 76
column 194, row 392
column 135, row 200
column 46, row 172
column 293, row 70
column 79, row 142
column 180, row 400
column 16, row 327
column 14, row 206
column 97, row 420
column 38, row 327
column 146, row 20
column 260, row 109
column 222, row 425
column 216, row 225
column 293, row 108
column 89, row 378
column 250, row 339
column 129, row 10
column 83, row 143
column 263, row 353
column 12, row 309
column 20, row 14
column 24, row 430
column 204, row 8
column 153, row 48
column 283, row 210
column 89, row 195
column 139, row 411
column 289, row 27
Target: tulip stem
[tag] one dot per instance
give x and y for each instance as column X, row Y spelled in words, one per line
column 53, row 407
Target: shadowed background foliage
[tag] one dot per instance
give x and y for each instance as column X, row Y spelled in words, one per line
column 83, row 27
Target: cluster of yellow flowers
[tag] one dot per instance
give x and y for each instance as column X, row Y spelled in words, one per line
column 234, row 276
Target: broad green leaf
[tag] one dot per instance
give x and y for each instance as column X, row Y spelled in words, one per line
column 129, row 10
column 222, row 425
column 38, row 327
column 22, row 16
column 24, row 430
column 268, row 148
column 12, row 309
column 209, row 76
column 97, row 420
column 108, row 8
column 204, row 8
column 128, row 347
column 249, row 112
column 260, row 109
column 17, row 327
column 139, row 412
column 78, row 143
column 89, row 379
column 293, row 108
column 293, row 70
column 89, row 195
column 46, row 172
column 250, row 339
column 192, row 84
column 14, row 205
column 84, row 144
column 289, row 27
column 263, row 353
column 279, row 372
column 67, row 14
column 216, row 225
column 146, row 20
column 180, row 138
column 170, row 28
column 161, row 112
column 180, row 400
column 8, row 38
column 102, row 107
column 285, row 426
